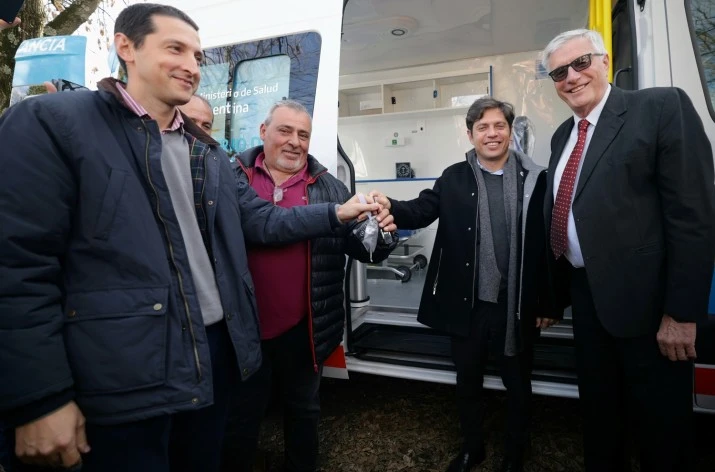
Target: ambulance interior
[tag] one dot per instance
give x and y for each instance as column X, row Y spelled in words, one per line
column 409, row 69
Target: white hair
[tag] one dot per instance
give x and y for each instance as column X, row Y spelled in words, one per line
column 593, row 36
column 286, row 103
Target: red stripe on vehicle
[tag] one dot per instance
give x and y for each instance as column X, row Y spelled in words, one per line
column 705, row 381
column 337, row 359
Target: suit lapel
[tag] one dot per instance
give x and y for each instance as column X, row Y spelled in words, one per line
column 553, row 163
column 607, row 128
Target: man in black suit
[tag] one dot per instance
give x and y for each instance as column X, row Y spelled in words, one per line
column 630, row 221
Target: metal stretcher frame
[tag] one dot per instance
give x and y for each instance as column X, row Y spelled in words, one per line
column 404, row 259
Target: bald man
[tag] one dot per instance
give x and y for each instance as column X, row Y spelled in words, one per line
column 200, row 112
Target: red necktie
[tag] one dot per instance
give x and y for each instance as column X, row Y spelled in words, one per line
column 562, row 205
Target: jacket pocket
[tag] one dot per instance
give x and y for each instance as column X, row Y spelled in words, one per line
column 116, row 339
column 110, row 202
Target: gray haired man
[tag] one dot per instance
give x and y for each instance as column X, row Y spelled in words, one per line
column 630, row 221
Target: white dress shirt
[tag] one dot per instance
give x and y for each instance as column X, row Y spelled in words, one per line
column 497, row 172
column 573, row 248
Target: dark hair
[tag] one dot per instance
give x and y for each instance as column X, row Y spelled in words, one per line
column 136, row 22
column 480, row 105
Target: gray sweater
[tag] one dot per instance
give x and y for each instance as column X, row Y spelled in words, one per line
column 177, row 172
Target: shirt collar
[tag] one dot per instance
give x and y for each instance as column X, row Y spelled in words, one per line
column 497, row 172
column 140, row 111
column 596, row 112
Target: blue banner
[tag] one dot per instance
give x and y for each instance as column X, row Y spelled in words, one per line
column 54, row 57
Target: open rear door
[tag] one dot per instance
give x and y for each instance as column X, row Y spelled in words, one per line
column 693, row 69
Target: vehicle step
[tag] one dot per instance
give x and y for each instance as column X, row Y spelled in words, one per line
column 425, row 347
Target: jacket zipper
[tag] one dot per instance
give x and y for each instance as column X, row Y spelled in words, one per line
column 310, row 301
column 171, row 252
column 436, row 278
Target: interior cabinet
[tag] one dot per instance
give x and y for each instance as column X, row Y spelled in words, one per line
column 439, row 94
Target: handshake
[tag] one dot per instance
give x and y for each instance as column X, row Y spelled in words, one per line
column 361, row 207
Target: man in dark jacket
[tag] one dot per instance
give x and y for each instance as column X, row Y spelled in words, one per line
column 299, row 290
column 483, row 282
column 125, row 295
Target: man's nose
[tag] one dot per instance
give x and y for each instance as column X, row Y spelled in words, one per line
column 192, row 66
column 572, row 75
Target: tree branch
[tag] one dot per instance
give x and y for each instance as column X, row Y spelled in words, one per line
column 71, row 18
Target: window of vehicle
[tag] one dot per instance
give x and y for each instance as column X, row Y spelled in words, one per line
column 243, row 81
column 701, row 18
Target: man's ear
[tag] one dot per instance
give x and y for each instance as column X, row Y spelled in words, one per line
column 262, row 131
column 606, row 60
column 124, row 47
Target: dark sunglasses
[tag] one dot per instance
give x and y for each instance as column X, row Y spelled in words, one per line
column 578, row 64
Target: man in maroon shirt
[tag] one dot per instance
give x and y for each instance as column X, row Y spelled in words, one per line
column 299, row 291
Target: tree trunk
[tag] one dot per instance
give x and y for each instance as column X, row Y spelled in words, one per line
column 33, row 15
column 33, row 22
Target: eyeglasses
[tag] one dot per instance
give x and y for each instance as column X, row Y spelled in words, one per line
column 578, row 64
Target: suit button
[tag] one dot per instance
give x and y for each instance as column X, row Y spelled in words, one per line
column 72, row 313
column 467, row 264
column 211, row 202
column 158, row 306
column 469, row 229
column 245, row 371
column 465, row 299
column 194, row 400
column 472, row 193
column 229, row 316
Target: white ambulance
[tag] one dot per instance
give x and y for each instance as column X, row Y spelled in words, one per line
column 388, row 83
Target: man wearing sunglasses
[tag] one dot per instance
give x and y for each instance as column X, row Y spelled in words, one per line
column 630, row 221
